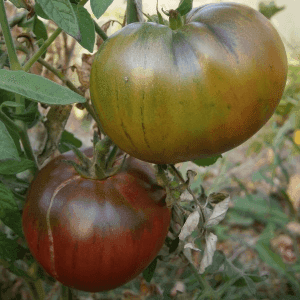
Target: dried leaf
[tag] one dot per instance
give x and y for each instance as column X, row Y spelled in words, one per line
column 190, row 225
column 215, row 198
column 210, row 248
column 192, row 246
column 218, row 214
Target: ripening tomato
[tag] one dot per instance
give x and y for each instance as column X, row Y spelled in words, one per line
column 167, row 96
column 95, row 235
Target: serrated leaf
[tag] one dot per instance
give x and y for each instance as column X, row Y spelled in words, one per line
column 218, row 214
column 86, row 26
column 190, row 225
column 62, row 13
column 7, row 145
column 149, row 271
column 37, row 88
column 210, row 248
column 13, row 166
column 99, row 7
column 9, row 212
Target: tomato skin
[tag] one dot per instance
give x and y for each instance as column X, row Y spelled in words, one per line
column 168, row 96
column 95, row 235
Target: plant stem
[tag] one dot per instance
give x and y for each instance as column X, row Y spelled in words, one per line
column 100, row 32
column 203, row 283
column 72, row 87
column 179, row 176
column 66, row 293
column 18, row 127
column 42, row 49
column 13, row 59
column 36, row 284
column 36, row 289
column 131, row 12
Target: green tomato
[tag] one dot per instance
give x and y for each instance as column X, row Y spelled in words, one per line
column 167, row 96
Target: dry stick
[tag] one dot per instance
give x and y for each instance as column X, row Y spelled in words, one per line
column 179, row 176
column 57, row 118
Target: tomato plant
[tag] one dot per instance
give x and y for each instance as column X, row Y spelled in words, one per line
column 95, row 235
column 167, row 96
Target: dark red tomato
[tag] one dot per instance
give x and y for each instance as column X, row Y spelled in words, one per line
column 95, row 235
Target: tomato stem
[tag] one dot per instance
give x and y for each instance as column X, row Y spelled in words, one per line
column 175, row 19
column 13, row 59
column 42, row 49
column 100, row 32
column 132, row 14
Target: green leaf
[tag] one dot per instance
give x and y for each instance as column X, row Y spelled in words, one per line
column 270, row 9
column 13, row 166
column 37, row 88
column 256, row 278
column 62, row 13
column 239, row 218
column 10, row 250
column 9, row 212
column 205, row 162
column 31, row 115
column 274, row 260
column 99, row 7
column 7, row 145
column 184, row 7
column 6, row 96
column 19, row 3
column 39, row 29
column 245, row 280
column 86, row 26
column 268, row 233
column 69, row 138
column 149, row 272
column 13, row 182
column 218, row 260
column 11, row 104
column 3, row 59
column 39, row 11
column 259, row 209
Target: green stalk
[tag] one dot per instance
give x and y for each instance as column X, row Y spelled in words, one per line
column 13, row 59
column 66, row 293
column 36, row 284
column 18, row 127
column 15, row 65
column 100, row 32
column 131, row 12
column 42, row 49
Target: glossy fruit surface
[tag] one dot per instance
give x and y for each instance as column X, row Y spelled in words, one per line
column 168, row 96
column 95, row 235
